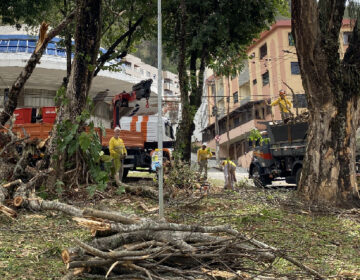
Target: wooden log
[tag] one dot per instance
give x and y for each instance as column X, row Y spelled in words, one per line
column 23, row 192
column 37, row 204
column 109, row 215
column 12, row 184
column 71, row 254
column 143, row 254
column 5, row 192
column 89, row 263
column 8, row 211
column 73, row 273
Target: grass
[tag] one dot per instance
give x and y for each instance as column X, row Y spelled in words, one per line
column 329, row 242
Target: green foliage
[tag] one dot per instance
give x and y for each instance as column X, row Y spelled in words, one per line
column 182, row 176
column 220, row 30
column 59, row 187
column 243, row 183
column 255, row 136
column 72, row 140
column 217, row 34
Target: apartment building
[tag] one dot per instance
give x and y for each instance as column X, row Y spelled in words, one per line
column 272, row 65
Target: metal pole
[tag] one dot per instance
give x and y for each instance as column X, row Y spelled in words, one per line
column 160, row 121
column 217, row 150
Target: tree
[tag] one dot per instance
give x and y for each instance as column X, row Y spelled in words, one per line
column 199, row 33
column 332, row 90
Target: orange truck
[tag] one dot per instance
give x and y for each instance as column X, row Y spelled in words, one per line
column 139, row 132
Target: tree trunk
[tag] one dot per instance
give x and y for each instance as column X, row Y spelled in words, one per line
column 328, row 173
column 87, row 38
column 183, row 145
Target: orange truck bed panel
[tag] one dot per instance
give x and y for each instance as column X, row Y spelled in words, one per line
column 41, row 131
column 34, row 130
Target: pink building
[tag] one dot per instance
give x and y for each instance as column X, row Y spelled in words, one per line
column 272, row 65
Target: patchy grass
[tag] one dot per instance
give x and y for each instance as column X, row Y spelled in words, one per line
column 141, row 174
column 327, row 240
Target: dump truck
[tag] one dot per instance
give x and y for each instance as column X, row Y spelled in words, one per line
column 131, row 111
column 282, row 156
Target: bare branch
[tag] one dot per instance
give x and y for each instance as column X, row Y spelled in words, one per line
column 102, row 59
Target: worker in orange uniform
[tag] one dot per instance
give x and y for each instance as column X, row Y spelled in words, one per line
column 284, row 105
column 118, row 153
column 229, row 174
column 203, row 154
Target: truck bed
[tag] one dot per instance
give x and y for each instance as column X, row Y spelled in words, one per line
column 287, row 133
column 287, row 139
column 132, row 139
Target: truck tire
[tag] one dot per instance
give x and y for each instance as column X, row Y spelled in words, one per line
column 298, row 173
column 260, row 181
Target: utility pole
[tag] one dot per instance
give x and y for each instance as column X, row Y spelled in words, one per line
column 160, row 121
column 215, row 112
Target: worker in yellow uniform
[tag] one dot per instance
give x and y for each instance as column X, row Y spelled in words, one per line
column 118, row 153
column 229, row 174
column 203, row 154
column 284, row 105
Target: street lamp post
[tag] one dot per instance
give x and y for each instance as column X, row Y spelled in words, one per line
column 160, row 122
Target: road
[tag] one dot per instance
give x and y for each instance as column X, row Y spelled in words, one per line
column 241, row 173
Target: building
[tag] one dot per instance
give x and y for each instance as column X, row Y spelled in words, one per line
column 16, row 47
column 272, row 65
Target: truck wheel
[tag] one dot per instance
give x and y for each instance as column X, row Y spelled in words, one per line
column 298, row 173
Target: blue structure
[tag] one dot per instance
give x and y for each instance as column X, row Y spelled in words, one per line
column 27, row 44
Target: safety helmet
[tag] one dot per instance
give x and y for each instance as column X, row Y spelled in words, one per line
column 281, row 92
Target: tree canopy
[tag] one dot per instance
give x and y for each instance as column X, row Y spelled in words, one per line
column 214, row 34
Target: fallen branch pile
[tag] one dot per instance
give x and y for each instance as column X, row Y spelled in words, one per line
column 134, row 248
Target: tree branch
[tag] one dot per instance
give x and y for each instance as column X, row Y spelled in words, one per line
column 102, row 59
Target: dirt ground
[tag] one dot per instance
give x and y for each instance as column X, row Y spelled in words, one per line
column 326, row 239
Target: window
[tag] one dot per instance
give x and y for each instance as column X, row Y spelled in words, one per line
column 263, row 51
column 265, row 78
column 13, row 45
column 22, row 46
column 3, row 45
column 236, row 122
column 233, row 76
column 291, row 39
column 254, row 82
column 236, row 97
column 61, row 52
column 31, row 46
column 347, row 37
column 51, row 47
column 295, row 70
